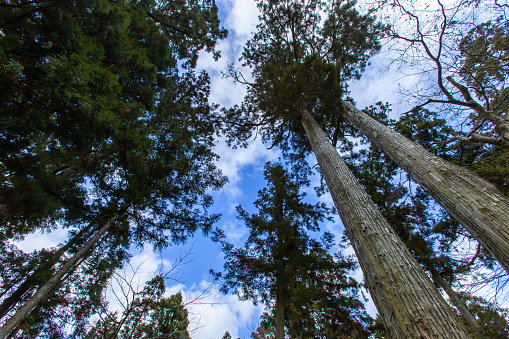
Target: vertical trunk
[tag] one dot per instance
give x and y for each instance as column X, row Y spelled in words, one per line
column 282, row 239
column 472, row 201
column 409, row 304
column 44, row 291
column 455, row 299
column 280, row 308
column 30, row 281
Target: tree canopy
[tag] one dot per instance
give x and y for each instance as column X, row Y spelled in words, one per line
column 107, row 133
column 105, row 123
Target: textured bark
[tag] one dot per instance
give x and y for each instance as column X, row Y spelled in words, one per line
column 409, row 304
column 473, row 202
column 455, row 299
column 46, row 289
column 30, row 281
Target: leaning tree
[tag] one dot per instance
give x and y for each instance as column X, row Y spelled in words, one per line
column 479, row 62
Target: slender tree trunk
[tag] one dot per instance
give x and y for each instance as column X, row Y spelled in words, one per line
column 473, row 202
column 30, row 281
column 455, row 299
column 280, row 308
column 409, row 304
column 44, row 291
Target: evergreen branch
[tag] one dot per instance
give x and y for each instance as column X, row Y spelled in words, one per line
column 168, row 25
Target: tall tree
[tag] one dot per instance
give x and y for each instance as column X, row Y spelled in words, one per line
column 70, row 73
column 430, row 234
column 155, row 185
column 473, row 202
column 282, row 267
column 66, row 311
column 296, row 90
column 142, row 169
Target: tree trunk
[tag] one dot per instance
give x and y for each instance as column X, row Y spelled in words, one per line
column 44, row 291
column 409, row 304
column 472, row 201
column 30, row 281
column 455, row 299
column 280, row 309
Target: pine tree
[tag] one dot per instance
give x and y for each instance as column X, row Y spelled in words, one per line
column 280, row 265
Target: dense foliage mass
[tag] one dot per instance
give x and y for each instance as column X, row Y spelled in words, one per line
column 148, row 315
column 105, row 127
column 301, row 56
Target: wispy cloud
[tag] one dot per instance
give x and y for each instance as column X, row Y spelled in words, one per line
column 233, row 163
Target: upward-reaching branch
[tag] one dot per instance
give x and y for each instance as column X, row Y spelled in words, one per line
column 448, row 16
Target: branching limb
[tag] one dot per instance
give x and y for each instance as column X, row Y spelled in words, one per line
column 476, row 138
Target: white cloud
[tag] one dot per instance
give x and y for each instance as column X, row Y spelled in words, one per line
column 234, row 161
column 235, row 231
column 376, row 85
column 241, row 20
column 242, row 16
column 40, row 240
column 211, row 313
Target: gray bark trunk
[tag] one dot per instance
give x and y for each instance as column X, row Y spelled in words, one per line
column 473, row 202
column 44, row 291
column 30, row 282
column 409, row 304
column 455, row 299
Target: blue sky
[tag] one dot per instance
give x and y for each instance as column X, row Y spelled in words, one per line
column 213, row 313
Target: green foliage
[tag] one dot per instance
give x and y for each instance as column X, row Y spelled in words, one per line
column 101, row 112
column 71, row 74
column 485, row 54
column 493, row 319
column 66, row 313
column 301, row 60
column 493, row 165
column 266, row 329
column 149, row 315
column 330, row 305
column 320, row 300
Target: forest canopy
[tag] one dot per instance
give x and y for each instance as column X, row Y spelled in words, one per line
column 110, row 136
